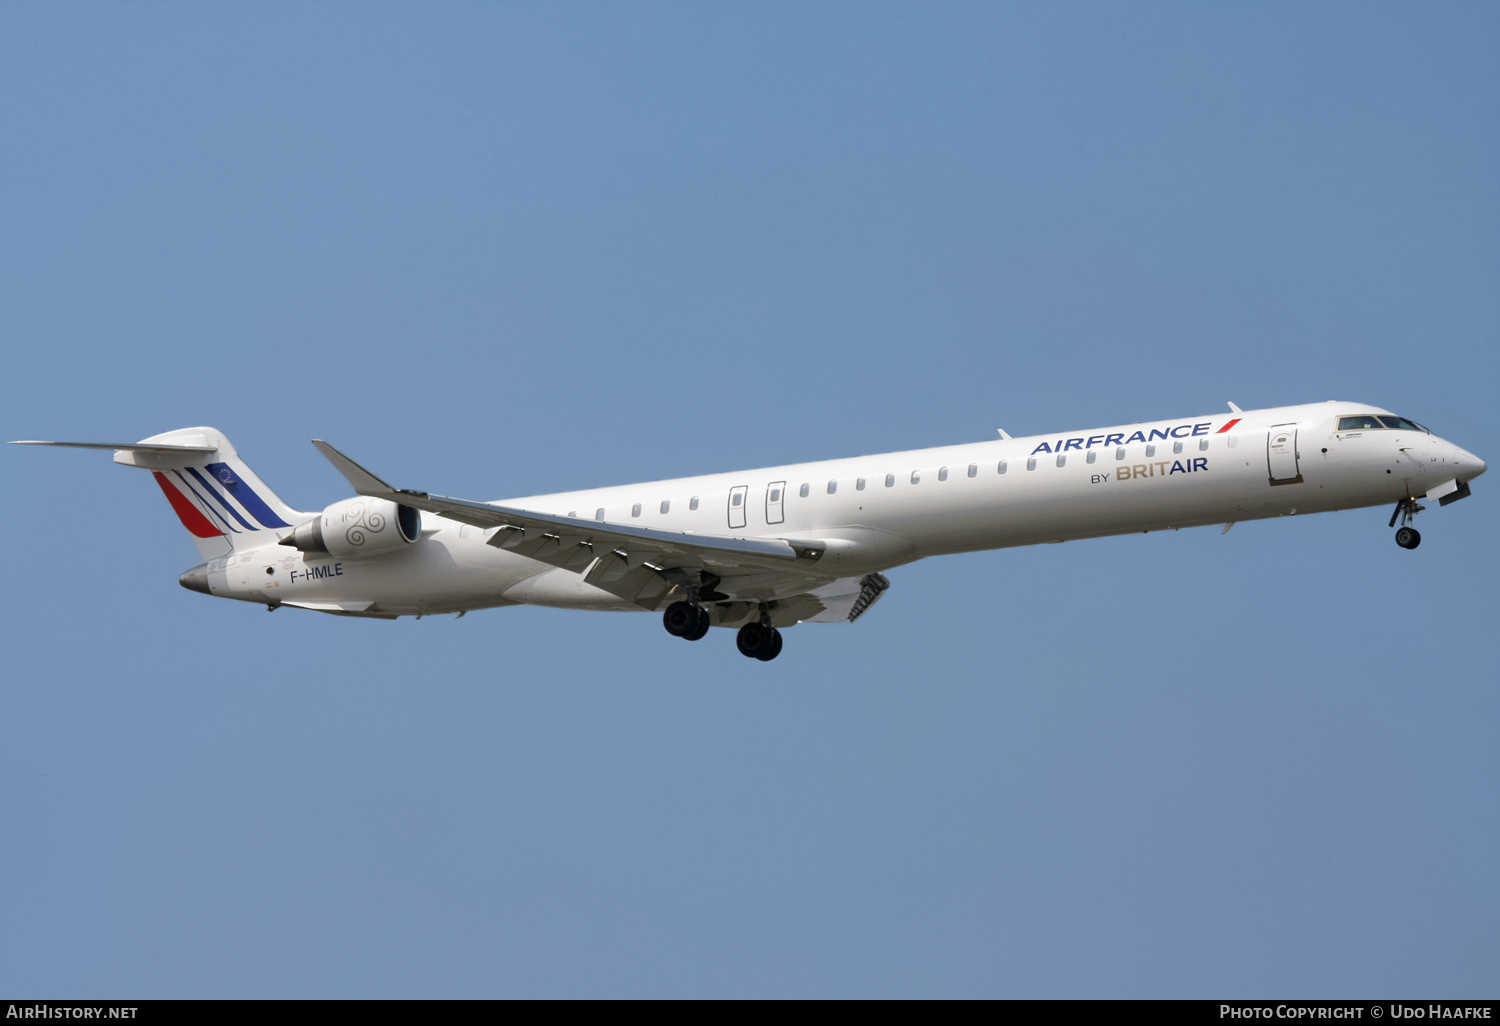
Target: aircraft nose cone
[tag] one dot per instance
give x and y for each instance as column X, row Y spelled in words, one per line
column 196, row 579
column 1470, row 466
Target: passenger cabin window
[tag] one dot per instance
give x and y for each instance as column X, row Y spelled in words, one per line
column 736, row 498
column 1031, row 463
column 635, row 510
column 1001, row 468
column 666, row 504
column 1061, row 459
column 1092, row 456
column 804, row 490
column 859, row 484
column 1203, row 445
column 942, row 473
column 890, row 480
column 775, row 496
column 916, row 476
column 1176, row 447
column 833, row 486
column 1360, row 423
column 973, row 470
column 599, row 513
column 693, row 502
column 1150, row 450
column 1120, row 453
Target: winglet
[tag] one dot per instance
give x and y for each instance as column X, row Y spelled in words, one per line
column 1235, row 408
column 1003, row 434
column 364, row 482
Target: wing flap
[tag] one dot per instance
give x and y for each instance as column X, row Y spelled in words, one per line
column 847, row 599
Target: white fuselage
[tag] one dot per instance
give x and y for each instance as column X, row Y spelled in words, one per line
column 876, row 512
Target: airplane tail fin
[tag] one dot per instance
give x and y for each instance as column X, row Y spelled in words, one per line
column 223, row 504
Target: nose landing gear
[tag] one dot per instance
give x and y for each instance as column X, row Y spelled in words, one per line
column 1407, row 536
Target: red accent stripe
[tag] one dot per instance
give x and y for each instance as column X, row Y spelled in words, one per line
column 192, row 518
column 1226, row 427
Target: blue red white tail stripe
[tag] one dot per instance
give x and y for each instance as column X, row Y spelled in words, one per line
column 245, row 495
column 220, row 499
column 205, row 504
column 193, row 519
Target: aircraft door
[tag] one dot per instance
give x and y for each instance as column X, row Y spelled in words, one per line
column 775, row 494
column 737, row 505
column 1281, row 455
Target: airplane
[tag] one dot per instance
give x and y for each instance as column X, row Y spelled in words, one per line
column 761, row 550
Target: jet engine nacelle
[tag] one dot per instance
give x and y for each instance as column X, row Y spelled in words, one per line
column 359, row 527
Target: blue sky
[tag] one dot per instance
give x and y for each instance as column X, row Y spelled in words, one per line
column 507, row 249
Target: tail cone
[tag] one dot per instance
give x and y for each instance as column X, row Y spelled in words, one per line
column 196, row 579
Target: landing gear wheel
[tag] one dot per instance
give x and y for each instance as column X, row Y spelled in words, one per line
column 700, row 628
column 1407, row 536
column 680, row 619
column 755, row 640
column 685, row 620
column 773, row 650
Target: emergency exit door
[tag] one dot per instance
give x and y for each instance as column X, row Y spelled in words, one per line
column 737, row 505
column 1281, row 455
column 775, row 492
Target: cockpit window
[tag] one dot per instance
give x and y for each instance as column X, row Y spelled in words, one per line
column 1365, row 422
column 1402, row 423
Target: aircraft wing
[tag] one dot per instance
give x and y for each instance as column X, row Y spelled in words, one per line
column 639, row 564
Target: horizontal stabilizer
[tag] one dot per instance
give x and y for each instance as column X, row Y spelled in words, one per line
column 165, row 450
column 220, row 500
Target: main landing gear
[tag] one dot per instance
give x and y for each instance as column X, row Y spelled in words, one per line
column 759, row 641
column 685, row 620
column 689, row 621
column 1407, row 536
